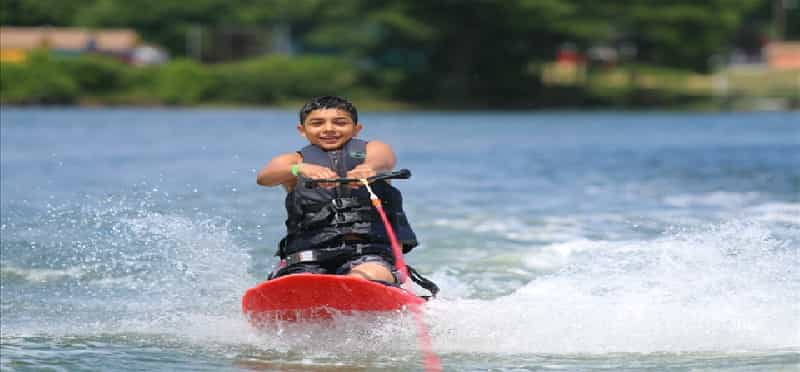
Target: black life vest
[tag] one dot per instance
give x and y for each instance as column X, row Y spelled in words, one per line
column 319, row 218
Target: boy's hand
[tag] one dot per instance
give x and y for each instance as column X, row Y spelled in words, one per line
column 317, row 172
column 361, row 171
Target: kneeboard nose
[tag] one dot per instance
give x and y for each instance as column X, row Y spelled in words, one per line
column 301, row 297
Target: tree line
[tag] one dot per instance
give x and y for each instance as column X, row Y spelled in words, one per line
column 452, row 52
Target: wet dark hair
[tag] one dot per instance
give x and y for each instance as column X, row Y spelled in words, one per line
column 328, row 102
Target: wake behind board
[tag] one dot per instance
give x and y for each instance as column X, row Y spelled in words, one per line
column 301, row 297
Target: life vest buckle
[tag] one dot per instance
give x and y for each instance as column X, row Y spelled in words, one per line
column 302, row 256
column 339, row 219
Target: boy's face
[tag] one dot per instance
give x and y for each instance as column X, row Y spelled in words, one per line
column 329, row 129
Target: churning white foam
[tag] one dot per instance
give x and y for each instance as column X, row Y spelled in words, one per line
column 729, row 287
column 41, row 275
column 721, row 199
column 776, row 212
column 136, row 272
column 516, row 229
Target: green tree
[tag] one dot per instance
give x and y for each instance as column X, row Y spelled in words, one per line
column 476, row 52
column 164, row 22
column 184, row 82
column 679, row 33
column 40, row 12
column 42, row 80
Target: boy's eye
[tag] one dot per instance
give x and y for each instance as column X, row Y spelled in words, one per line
column 336, row 121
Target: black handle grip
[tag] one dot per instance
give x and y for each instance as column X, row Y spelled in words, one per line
column 402, row 174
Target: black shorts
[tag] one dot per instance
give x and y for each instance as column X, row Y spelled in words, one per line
column 337, row 267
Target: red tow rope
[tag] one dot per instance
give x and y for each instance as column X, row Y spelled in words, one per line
column 432, row 362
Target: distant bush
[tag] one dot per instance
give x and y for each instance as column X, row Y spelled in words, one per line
column 247, row 82
column 40, row 80
column 183, row 82
column 96, row 74
column 46, row 78
column 271, row 78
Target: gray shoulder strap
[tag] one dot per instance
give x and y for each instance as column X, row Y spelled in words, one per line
column 356, row 152
column 312, row 154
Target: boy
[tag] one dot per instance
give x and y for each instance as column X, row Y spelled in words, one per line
column 332, row 229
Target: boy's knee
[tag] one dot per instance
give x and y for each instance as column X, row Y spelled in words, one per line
column 373, row 271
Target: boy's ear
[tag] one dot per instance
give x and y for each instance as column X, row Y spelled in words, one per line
column 301, row 129
column 359, row 127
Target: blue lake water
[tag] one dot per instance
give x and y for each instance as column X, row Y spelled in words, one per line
column 561, row 241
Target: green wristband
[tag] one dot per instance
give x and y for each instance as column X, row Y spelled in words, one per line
column 295, row 169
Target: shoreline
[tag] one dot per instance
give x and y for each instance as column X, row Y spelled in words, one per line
column 774, row 105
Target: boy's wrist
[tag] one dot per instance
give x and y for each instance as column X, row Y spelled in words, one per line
column 296, row 170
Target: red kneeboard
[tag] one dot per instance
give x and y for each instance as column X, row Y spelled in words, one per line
column 300, row 297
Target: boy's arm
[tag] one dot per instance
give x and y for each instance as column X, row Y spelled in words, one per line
column 279, row 171
column 380, row 158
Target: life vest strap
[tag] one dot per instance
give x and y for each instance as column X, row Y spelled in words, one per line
column 347, row 248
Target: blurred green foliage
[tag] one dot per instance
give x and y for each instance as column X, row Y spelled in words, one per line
column 47, row 78
column 279, row 77
column 42, row 80
column 95, row 74
column 443, row 52
column 183, row 82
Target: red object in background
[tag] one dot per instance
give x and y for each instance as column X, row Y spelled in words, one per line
column 567, row 56
column 783, row 55
column 300, row 297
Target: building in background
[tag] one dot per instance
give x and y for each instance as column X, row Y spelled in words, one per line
column 123, row 44
column 783, row 55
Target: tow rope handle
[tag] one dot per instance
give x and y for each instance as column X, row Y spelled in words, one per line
column 402, row 174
